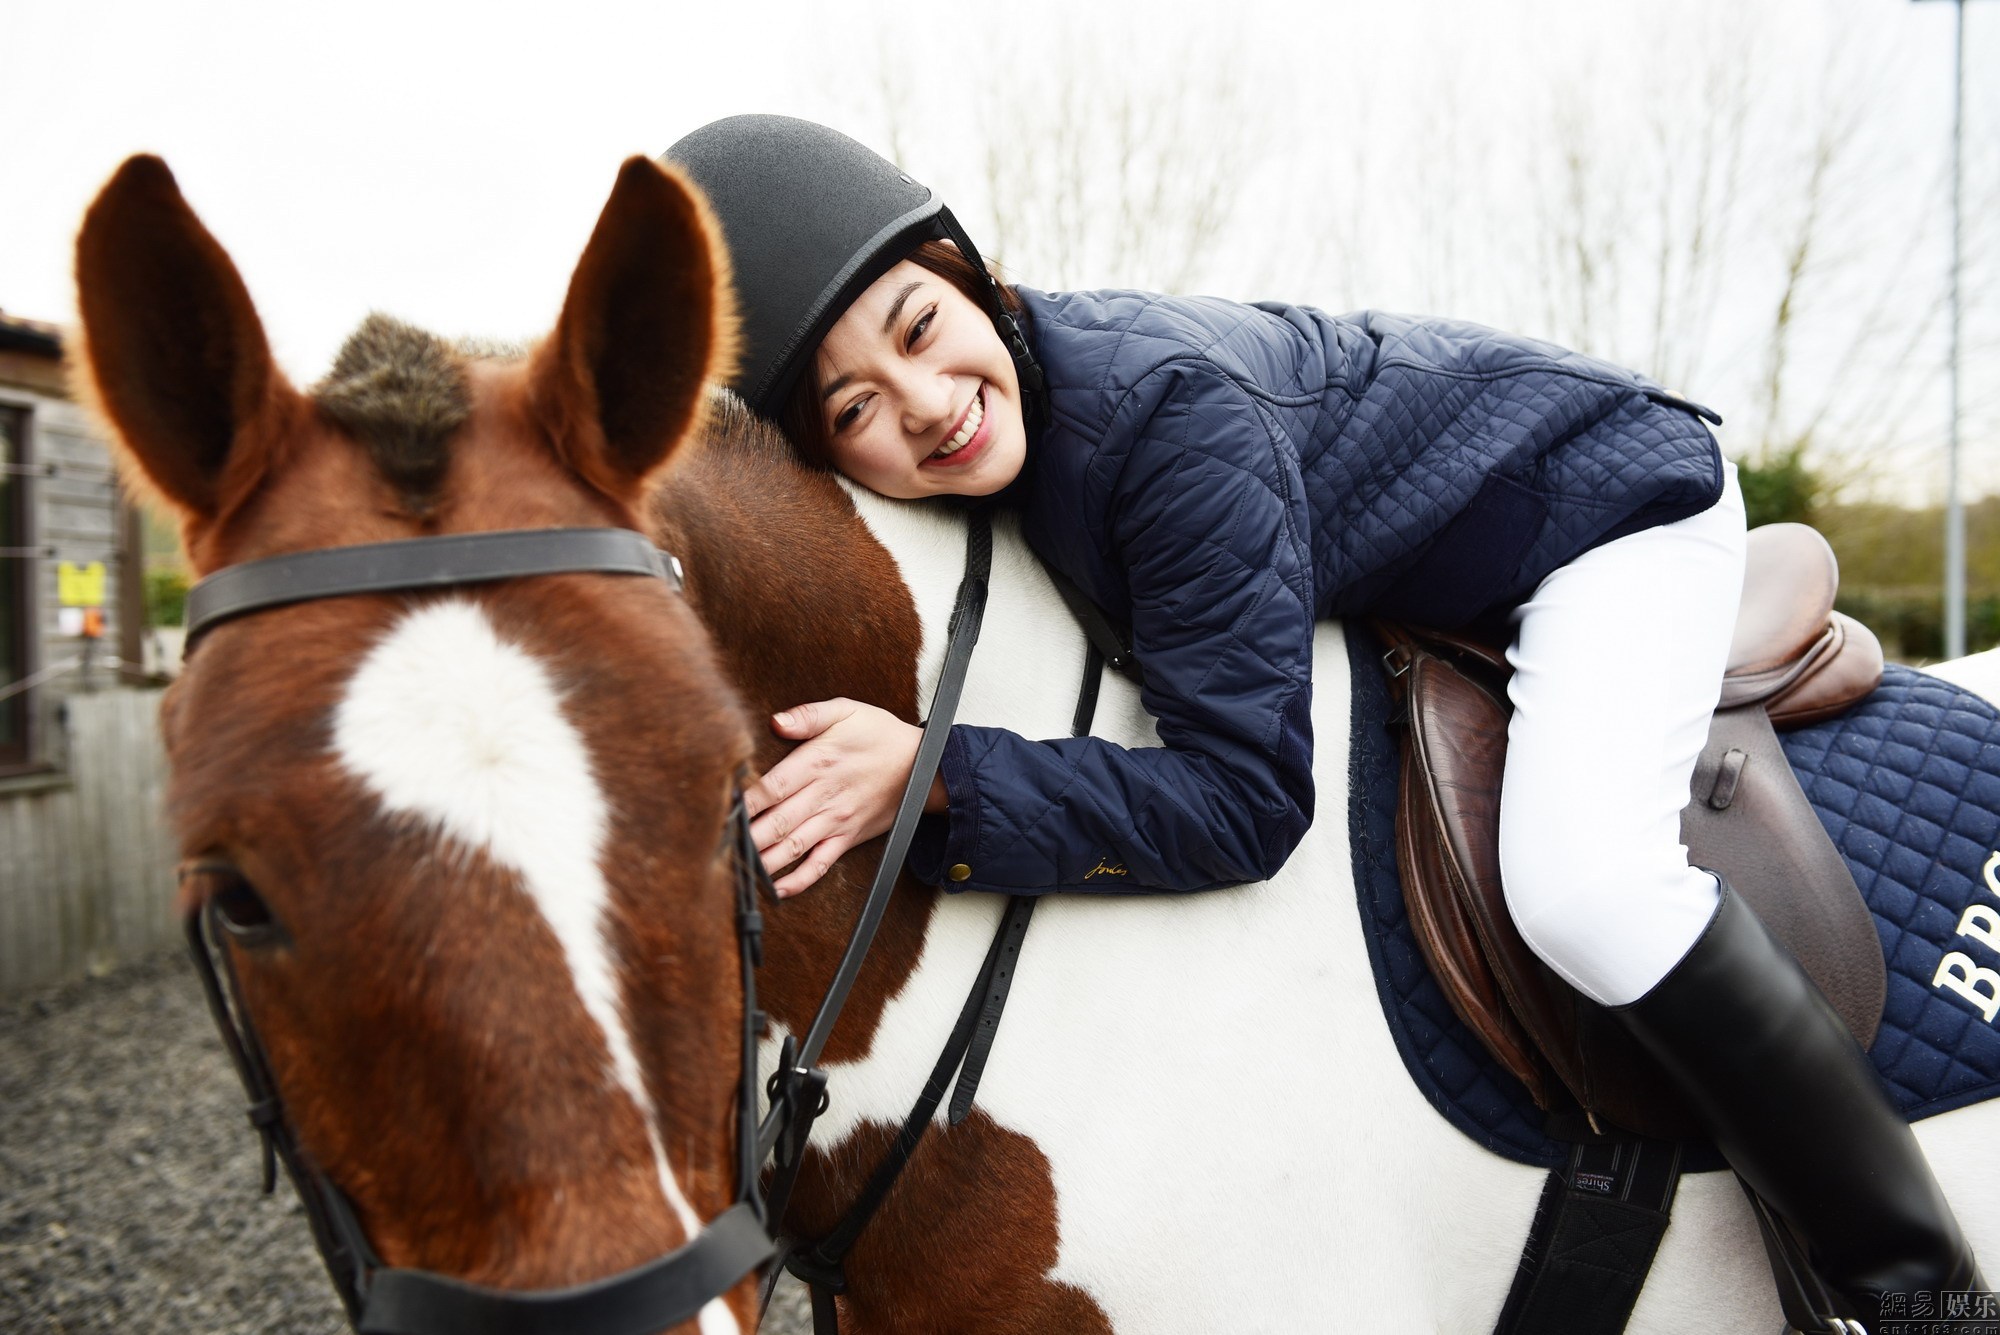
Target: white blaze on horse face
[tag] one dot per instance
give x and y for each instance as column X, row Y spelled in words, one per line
column 448, row 723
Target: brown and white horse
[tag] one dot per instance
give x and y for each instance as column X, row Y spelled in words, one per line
column 504, row 1006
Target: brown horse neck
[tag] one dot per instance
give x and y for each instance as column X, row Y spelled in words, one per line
column 803, row 603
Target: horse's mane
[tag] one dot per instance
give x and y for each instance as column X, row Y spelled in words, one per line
column 402, row 392
column 731, row 426
column 735, row 454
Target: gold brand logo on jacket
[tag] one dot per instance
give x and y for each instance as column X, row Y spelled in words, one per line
column 1104, row 868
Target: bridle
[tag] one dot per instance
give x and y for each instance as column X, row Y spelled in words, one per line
column 671, row 1289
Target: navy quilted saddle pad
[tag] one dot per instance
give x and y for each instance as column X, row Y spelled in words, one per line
column 1908, row 784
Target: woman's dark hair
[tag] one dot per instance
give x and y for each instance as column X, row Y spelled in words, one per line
column 803, row 418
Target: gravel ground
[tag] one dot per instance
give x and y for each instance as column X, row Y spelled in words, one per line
column 129, row 1181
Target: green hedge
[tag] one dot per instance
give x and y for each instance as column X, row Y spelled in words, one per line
column 166, row 597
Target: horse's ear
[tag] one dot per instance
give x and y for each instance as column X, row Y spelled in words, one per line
column 173, row 350
column 649, row 319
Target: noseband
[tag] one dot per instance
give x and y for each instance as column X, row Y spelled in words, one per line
column 671, row 1289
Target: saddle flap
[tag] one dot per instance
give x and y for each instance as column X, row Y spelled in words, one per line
column 1427, row 853
column 1761, row 833
column 1748, row 820
column 1454, row 756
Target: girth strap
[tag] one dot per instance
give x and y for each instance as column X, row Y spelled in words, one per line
column 1595, row 1233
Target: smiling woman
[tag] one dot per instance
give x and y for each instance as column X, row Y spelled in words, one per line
column 912, row 393
column 918, row 393
column 1225, row 476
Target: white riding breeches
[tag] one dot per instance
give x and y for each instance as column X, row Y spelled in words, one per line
column 1618, row 660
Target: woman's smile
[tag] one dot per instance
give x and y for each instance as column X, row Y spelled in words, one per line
column 968, row 439
column 922, row 397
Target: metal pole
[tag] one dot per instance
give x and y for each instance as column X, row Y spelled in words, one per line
column 1954, row 521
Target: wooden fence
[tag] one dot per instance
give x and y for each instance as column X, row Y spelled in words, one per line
column 86, row 871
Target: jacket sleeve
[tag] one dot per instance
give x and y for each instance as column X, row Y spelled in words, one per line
column 1206, row 519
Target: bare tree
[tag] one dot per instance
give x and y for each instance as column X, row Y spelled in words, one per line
column 1681, row 192
column 1082, row 171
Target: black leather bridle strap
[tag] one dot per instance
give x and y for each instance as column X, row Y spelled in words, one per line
column 1108, row 638
column 998, row 976
column 421, row 563
column 342, row 1246
column 995, row 979
column 962, row 633
column 798, row 1084
column 658, row 1295
column 672, row 1288
column 391, row 1301
column 822, row 1265
column 385, row 1301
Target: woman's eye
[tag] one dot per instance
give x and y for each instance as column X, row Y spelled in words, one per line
column 917, row 329
column 848, row 415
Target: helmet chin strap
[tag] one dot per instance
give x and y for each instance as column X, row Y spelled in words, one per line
column 1034, row 386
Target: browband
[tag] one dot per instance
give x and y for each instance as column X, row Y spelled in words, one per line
column 422, row 563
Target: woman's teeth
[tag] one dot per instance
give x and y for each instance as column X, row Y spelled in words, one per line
column 973, row 417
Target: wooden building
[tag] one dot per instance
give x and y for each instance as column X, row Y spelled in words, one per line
column 85, row 877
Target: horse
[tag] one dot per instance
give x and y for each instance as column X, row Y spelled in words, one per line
column 484, row 835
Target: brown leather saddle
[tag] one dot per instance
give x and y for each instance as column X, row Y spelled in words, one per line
column 1794, row 660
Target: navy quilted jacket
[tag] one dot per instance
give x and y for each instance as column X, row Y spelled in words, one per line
column 1222, row 476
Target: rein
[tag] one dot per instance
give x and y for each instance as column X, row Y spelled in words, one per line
column 670, row 1289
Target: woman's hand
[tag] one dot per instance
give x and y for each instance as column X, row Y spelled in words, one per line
column 838, row 789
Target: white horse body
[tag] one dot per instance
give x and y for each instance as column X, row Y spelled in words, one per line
column 1234, row 1141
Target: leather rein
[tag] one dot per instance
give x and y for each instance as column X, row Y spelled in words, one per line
column 671, row 1289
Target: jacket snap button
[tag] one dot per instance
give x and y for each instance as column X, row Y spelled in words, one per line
column 959, row 872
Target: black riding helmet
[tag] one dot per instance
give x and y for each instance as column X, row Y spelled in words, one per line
column 811, row 219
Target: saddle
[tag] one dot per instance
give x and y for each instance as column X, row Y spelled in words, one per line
column 1793, row 660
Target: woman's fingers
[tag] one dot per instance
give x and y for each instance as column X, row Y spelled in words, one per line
column 770, row 820
column 760, row 797
column 812, row 718
column 801, row 785
column 822, row 857
column 796, row 837
column 839, row 787
column 791, row 774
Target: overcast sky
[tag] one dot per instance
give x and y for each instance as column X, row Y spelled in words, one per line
column 445, row 162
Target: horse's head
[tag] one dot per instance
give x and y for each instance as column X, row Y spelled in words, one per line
column 474, row 840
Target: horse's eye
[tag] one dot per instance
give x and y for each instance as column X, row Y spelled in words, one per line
column 239, row 908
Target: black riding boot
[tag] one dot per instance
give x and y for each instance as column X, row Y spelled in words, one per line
column 1796, row 1107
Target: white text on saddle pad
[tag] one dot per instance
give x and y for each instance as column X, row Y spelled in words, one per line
column 1957, row 971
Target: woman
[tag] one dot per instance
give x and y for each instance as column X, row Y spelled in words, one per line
column 1222, row 476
